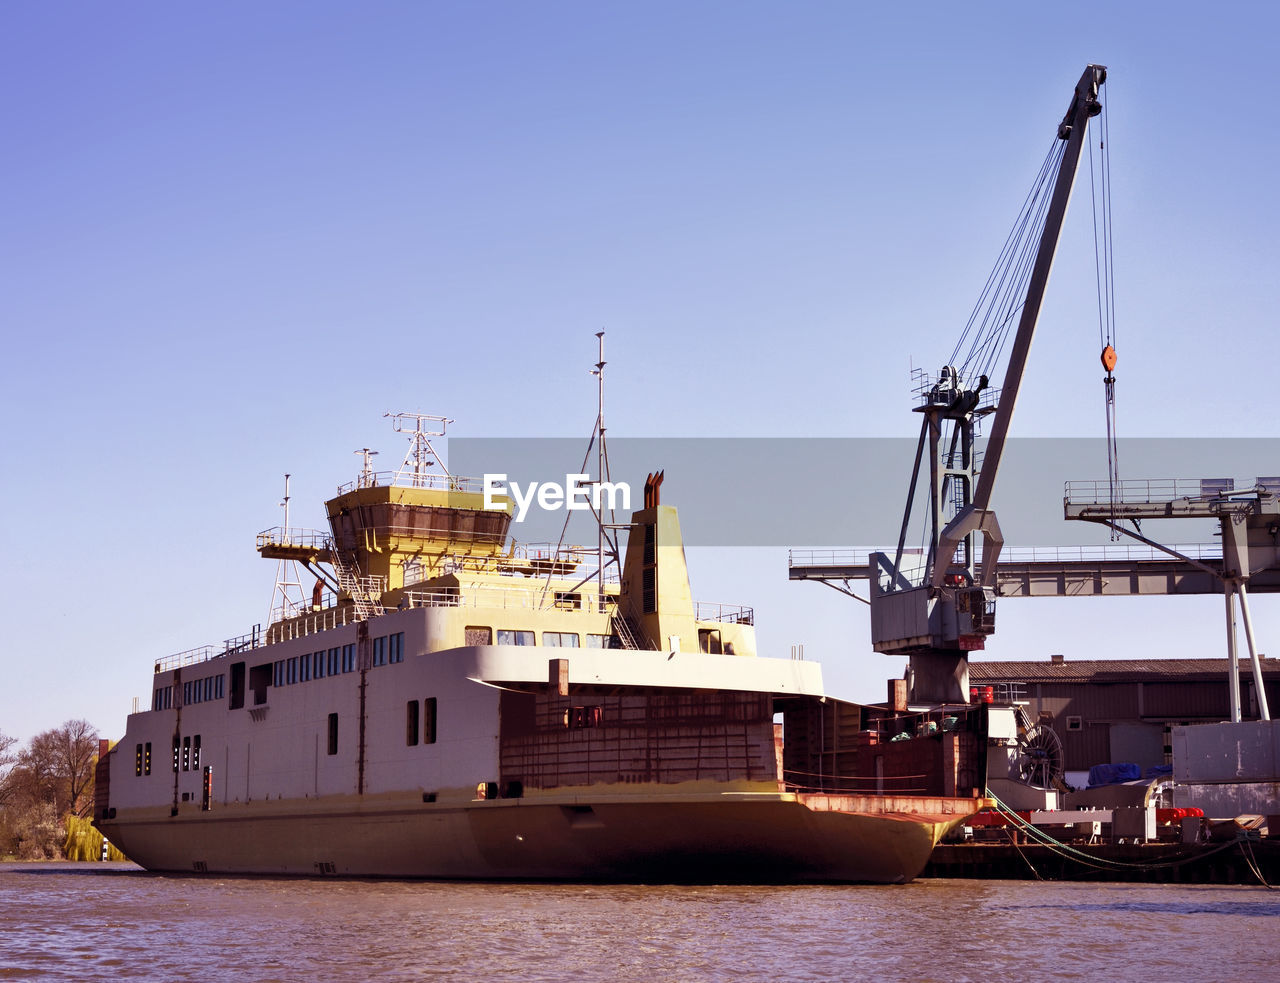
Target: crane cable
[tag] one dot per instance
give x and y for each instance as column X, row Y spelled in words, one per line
column 1004, row 293
column 1104, row 276
column 1000, row 302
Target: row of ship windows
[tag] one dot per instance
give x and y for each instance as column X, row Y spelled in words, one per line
column 386, row 649
column 186, row 755
column 480, row 635
column 193, row 691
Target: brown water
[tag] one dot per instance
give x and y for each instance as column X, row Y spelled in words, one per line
column 114, row 922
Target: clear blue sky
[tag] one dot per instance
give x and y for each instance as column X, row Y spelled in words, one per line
column 235, row 235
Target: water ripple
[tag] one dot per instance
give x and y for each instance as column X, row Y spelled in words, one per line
column 112, row 922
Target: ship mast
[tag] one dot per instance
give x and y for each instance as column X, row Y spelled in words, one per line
column 600, row 464
column 288, row 585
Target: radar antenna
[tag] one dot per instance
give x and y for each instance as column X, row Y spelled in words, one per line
column 421, row 456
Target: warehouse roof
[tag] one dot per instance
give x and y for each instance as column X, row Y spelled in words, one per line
column 1113, row 670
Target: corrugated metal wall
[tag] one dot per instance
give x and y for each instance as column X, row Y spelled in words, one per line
column 549, row 741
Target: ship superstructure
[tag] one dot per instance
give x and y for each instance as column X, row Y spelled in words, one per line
column 451, row 705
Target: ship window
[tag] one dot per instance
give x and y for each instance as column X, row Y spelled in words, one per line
column 291, row 670
column 259, row 679
column 429, row 720
column 477, row 635
column 186, row 694
column 137, row 761
column 568, row 599
column 411, row 723
column 277, row 678
column 349, row 658
column 333, row 733
column 380, row 650
column 576, row 718
column 304, row 669
column 560, row 639
column 219, row 686
column 1075, row 723
column 395, row 647
column 598, row 642
column 508, row 637
column 331, row 662
column 237, row 686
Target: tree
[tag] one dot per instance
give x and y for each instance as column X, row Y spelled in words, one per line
column 59, row 767
column 43, row 783
column 8, row 758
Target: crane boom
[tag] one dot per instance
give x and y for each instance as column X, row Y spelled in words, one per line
column 977, row 516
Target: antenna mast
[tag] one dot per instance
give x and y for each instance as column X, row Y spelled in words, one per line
column 287, row 599
column 600, row 461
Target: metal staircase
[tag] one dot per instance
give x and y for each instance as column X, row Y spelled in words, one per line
column 628, row 634
column 365, row 592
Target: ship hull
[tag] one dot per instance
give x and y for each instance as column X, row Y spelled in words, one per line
column 752, row 838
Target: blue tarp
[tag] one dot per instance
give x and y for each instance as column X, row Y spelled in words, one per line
column 1113, row 774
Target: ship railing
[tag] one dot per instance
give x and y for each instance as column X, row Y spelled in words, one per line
column 571, row 558
column 293, row 536
column 730, row 614
column 1146, row 491
column 204, row 653
column 312, row 622
column 505, row 598
column 439, row 482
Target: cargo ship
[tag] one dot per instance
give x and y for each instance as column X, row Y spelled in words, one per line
column 452, row 705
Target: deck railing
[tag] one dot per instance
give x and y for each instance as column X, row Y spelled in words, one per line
column 293, row 536
column 508, row 598
column 440, row 482
column 1103, row 553
column 1144, row 491
column 731, row 614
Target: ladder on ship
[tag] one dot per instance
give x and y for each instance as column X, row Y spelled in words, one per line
column 367, row 600
column 627, row 632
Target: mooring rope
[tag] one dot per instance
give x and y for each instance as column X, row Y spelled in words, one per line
column 1105, row 863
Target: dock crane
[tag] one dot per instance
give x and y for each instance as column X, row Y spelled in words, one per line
column 938, row 612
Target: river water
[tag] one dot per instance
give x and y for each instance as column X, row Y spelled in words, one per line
column 115, row 922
